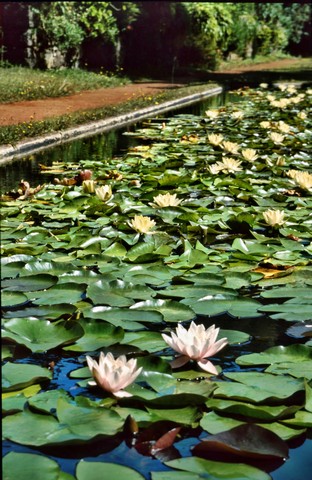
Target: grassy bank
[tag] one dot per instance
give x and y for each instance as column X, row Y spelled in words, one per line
column 20, row 83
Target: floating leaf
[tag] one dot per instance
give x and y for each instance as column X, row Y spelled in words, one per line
column 33, row 283
column 172, row 311
column 246, row 441
column 224, row 470
column 16, row 376
column 279, row 354
column 12, row 299
column 95, row 470
column 96, row 335
column 40, row 335
column 29, row 465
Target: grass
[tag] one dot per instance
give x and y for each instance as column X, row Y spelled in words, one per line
column 20, row 83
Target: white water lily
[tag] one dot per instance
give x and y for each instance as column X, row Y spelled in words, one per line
column 142, row 224
column 274, row 217
column 229, row 165
column 88, row 186
column 196, row 343
column 263, row 85
column 276, row 137
column 166, row 200
column 215, row 138
column 104, row 193
column 113, row 374
column 249, row 154
column 230, row 147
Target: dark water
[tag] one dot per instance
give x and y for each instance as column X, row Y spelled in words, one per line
column 98, row 147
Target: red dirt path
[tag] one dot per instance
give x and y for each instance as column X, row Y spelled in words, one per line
column 36, row 110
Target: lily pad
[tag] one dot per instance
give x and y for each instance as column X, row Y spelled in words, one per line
column 16, row 376
column 29, row 465
column 219, row 470
column 246, row 441
column 40, row 335
column 95, row 470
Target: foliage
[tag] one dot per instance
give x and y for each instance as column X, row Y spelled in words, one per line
column 210, row 24
column 179, row 36
column 77, row 279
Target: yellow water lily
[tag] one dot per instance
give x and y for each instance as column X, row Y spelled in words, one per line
column 212, row 114
column 302, row 115
column 230, row 147
column 302, row 179
column 215, row 138
column 276, row 137
column 249, row 154
column 265, row 124
column 274, row 217
column 104, row 193
column 197, row 343
column 237, row 115
column 88, row 186
column 229, row 165
column 283, row 127
column 142, row 224
column 166, row 200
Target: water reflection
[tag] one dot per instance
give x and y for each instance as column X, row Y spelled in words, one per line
column 97, row 147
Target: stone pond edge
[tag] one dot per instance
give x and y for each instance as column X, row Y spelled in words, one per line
column 10, row 153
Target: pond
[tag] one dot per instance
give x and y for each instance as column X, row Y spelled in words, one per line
column 186, row 235
column 97, row 147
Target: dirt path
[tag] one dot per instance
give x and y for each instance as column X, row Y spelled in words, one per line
column 36, row 110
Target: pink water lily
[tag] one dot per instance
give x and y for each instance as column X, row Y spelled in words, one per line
column 113, row 374
column 196, row 343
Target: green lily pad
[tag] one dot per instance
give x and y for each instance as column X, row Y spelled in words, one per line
column 256, row 387
column 63, row 293
column 12, row 299
column 32, row 283
column 230, row 471
column 96, row 335
column 16, row 376
column 213, row 423
column 40, row 335
column 117, row 293
column 172, row 311
column 275, row 355
column 29, row 465
column 95, row 470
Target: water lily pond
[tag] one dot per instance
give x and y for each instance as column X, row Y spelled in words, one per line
column 157, row 307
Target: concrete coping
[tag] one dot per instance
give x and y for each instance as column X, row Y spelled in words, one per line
column 9, row 153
